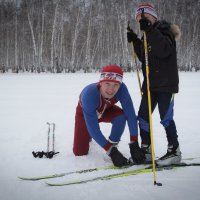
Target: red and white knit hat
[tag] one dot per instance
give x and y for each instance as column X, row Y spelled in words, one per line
column 111, row 73
column 149, row 9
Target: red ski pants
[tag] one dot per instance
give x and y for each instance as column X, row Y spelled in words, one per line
column 81, row 135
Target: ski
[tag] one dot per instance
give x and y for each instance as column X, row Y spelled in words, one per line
column 107, row 177
column 123, row 174
column 36, row 178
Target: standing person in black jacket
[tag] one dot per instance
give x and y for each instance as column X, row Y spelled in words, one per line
column 163, row 76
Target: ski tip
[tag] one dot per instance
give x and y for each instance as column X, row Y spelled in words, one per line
column 53, row 184
column 22, row 178
column 28, row 179
column 48, row 184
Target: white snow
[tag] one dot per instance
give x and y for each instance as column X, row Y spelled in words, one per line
column 28, row 101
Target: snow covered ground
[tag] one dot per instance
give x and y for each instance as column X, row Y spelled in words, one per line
column 28, row 101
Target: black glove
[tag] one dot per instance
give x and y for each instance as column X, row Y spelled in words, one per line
column 145, row 25
column 137, row 153
column 117, row 158
column 131, row 36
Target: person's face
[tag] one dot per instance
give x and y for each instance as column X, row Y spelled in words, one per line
column 109, row 89
column 148, row 16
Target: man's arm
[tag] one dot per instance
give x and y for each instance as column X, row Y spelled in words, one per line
column 129, row 111
column 162, row 45
column 90, row 101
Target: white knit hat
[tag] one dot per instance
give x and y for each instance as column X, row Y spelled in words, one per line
column 146, row 8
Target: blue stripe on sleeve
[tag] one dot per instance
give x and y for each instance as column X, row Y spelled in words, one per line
column 89, row 106
column 127, row 105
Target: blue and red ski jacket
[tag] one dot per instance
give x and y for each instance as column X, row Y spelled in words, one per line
column 91, row 104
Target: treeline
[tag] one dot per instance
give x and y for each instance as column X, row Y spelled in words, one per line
column 84, row 35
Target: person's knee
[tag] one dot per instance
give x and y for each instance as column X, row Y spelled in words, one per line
column 121, row 119
column 80, row 151
column 81, row 141
column 143, row 124
column 81, row 145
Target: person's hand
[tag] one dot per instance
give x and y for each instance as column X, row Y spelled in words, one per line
column 117, row 158
column 145, row 25
column 131, row 36
column 137, row 153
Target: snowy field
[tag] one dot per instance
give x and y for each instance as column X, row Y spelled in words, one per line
column 28, row 101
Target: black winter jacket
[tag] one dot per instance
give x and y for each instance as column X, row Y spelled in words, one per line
column 162, row 58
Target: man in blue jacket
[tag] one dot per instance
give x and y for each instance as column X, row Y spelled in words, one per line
column 97, row 104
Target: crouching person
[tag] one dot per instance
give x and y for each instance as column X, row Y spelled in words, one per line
column 97, row 104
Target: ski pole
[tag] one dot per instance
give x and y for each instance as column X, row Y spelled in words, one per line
column 54, row 126
column 137, row 70
column 149, row 105
column 52, row 153
column 48, row 136
column 135, row 60
column 49, row 154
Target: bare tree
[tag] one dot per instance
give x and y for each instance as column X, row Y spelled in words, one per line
column 53, row 34
column 86, row 34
